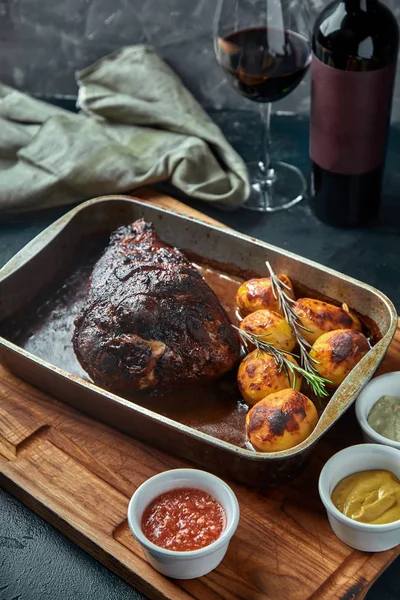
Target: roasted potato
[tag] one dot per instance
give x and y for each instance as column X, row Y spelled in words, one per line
column 259, row 375
column 337, row 352
column 281, row 421
column 257, row 294
column 320, row 317
column 270, row 327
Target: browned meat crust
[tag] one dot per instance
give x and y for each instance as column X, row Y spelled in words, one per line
column 150, row 320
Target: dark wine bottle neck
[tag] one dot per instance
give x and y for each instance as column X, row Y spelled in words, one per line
column 360, row 5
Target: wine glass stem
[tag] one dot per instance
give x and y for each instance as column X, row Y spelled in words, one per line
column 264, row 165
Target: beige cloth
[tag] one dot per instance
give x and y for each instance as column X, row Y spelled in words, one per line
column 138, row 125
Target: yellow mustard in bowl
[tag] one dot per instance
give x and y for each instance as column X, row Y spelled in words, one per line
column 369, row 497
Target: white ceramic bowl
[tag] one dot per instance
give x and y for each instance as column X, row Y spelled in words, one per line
column 188, row 564
column 361, row 536
column 383, row 385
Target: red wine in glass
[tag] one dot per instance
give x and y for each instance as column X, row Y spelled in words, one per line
column 264, row 64
column 264, row 49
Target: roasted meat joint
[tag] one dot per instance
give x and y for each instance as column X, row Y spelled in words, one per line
column 150, row 321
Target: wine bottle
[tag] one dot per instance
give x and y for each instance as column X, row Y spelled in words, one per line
column 355, row 46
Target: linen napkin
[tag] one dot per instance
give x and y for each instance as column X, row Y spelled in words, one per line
column 138, row 125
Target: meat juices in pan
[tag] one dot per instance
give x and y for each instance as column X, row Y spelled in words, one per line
column 150, row 321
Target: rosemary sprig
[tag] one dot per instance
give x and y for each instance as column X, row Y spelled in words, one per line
column 315, row 381
column 279, row 289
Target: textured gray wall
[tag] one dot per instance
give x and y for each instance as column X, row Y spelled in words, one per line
column 42, row 43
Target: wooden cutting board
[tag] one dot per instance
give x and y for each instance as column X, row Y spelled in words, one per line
column 79, row 474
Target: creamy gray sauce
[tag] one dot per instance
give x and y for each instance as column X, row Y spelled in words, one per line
column 384, row 417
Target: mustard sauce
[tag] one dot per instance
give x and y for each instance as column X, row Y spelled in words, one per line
column 369, row 497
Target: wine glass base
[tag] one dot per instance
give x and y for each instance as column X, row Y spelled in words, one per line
column 281, row 187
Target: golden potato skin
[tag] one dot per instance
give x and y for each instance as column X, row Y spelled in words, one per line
column 337, row 352
column 270, row 327
column 257, row 294
column 320, row 317
column 281, row 421
column 259, row 376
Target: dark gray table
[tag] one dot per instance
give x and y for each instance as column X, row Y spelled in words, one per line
column 37, row 562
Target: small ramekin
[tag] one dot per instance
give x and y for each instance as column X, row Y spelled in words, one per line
column 384, row 385
column 363, row 457
column 188, row 564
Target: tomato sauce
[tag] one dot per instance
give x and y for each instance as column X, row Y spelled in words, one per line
column 183, row 519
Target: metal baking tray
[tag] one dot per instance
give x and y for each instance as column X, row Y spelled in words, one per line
column 30, row 274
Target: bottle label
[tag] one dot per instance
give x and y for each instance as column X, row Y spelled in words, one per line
column 350, row 113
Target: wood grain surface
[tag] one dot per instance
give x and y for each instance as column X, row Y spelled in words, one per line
column 79, row 474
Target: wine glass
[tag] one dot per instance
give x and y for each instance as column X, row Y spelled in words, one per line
column 264, row 49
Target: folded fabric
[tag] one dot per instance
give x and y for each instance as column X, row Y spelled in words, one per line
column 138, row 125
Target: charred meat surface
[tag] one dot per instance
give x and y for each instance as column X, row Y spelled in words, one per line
column 150, row 321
